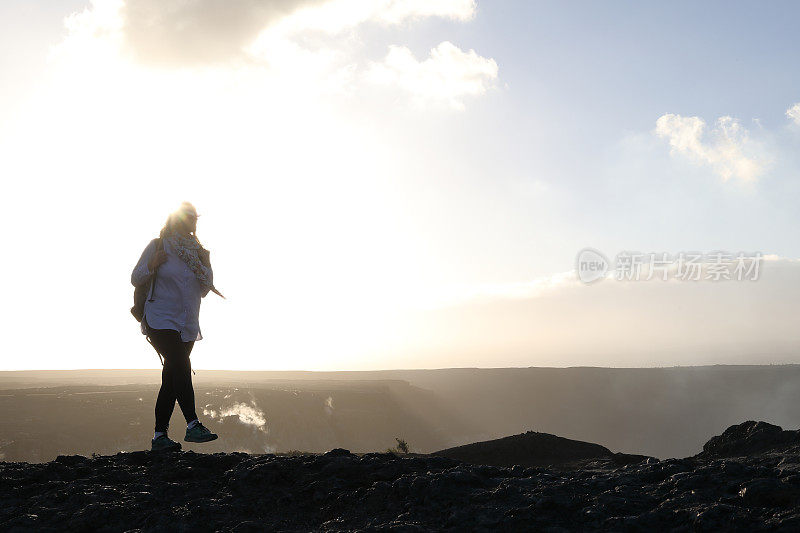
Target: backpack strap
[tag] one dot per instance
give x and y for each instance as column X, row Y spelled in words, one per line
column 147, row 336
column 159, row 246
column 156, row 349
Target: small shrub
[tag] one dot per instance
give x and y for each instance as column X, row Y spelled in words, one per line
column 402, row 445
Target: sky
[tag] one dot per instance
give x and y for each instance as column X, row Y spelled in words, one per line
column 401, row 183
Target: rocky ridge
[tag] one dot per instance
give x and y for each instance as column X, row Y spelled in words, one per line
column 535, row 449
column 748, row 478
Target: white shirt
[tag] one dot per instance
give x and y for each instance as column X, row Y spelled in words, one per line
column 176, row 296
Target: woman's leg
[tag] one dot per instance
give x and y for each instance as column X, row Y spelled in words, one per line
column 182, row 382
column 165, row 403
column 176, row 377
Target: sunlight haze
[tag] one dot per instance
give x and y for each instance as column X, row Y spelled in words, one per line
column 400, row 184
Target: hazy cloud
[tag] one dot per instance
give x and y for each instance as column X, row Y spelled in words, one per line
column 299, row 42
column 395, row 11
column 727, row 149
column 181, row 31
column 189, row 32
column 446, row 77
column 334, row 16
column 623, row 323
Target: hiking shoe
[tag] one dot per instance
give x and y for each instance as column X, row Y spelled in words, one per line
column 199, row 433
column 164, row 443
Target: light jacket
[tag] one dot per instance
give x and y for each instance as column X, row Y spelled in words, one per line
column 176, row 295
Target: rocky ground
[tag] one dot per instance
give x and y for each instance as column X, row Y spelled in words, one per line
column 746, row 479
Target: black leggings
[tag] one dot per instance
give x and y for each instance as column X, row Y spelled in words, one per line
column 176, row 376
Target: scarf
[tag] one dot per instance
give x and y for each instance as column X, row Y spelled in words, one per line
column 187, row 248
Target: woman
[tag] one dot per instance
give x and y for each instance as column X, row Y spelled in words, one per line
column 183, row 275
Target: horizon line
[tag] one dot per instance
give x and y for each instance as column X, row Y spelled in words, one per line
column 409, row 369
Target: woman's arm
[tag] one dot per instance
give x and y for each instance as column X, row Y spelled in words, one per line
column 141, row 273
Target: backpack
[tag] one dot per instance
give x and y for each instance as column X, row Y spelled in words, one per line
column 140, row 293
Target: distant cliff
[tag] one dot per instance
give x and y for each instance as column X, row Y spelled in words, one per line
column 41, row 423
column 662, row 412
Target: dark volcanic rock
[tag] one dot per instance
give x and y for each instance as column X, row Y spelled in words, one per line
column 341, row 491
column 749, row 438
column 534, row 449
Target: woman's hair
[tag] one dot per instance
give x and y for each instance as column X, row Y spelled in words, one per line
column 174, row 219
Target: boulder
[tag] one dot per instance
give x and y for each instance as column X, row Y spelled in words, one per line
column 749, row 438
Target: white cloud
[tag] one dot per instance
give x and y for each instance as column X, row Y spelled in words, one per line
column 728, row 149
column 446, row 77
column 794, row 113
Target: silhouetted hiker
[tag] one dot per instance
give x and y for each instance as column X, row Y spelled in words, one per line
column 178, row 269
